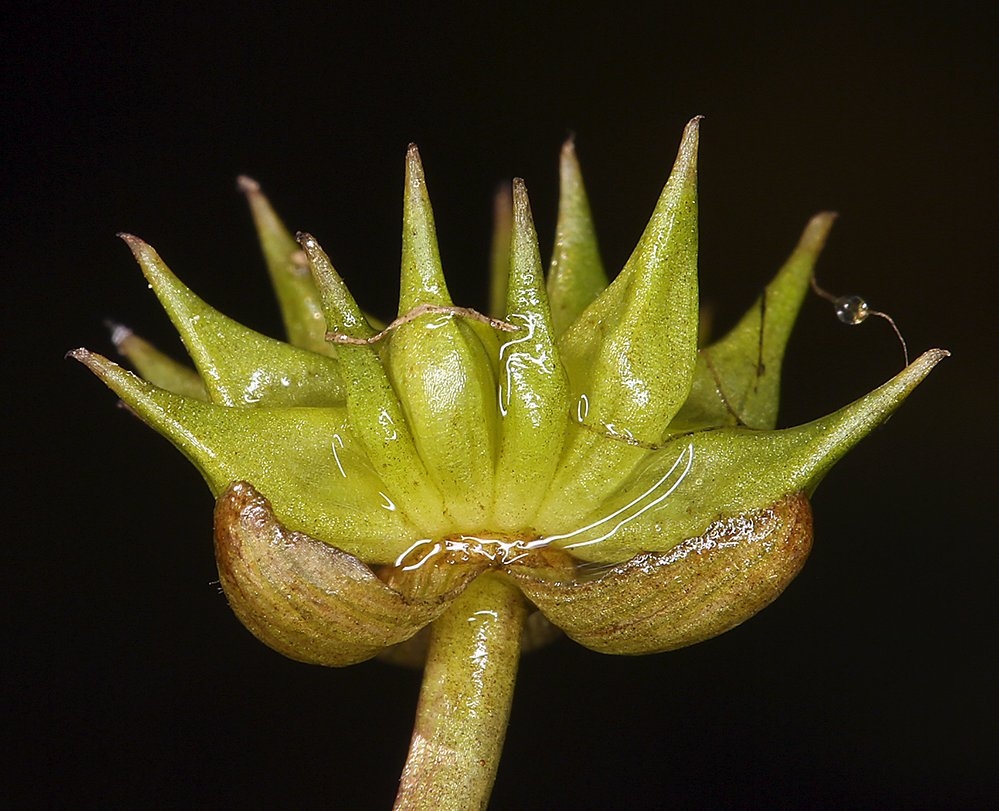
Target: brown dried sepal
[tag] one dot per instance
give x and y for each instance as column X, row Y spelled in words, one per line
column 702, row 587
column 307, row 599
column 316, row 604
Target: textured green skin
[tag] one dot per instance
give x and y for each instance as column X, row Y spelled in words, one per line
column 465, row 701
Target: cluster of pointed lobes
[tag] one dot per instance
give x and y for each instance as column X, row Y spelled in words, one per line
column 601, row 408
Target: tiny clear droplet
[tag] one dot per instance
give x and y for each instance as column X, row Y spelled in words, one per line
column 851, row 309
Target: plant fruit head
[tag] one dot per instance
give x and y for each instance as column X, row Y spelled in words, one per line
column 577, row 442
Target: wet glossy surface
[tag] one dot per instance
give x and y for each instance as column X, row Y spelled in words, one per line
column 851, row 309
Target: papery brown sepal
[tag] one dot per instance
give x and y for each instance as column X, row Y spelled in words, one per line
column 698, row 589
column 305, row 598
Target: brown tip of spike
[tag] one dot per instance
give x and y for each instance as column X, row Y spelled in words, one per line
column 247, row 184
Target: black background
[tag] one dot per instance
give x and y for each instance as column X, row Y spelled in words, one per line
column 871, row 682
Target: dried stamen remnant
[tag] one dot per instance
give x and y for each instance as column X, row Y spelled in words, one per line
column 412, row 315
column 435, row 567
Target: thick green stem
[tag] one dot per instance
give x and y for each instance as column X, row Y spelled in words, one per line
column 465, row 700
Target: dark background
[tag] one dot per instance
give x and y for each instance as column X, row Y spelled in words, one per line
column 871, row 682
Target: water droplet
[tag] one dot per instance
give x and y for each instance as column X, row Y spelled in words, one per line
column 854, row 310
column 851, row 309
